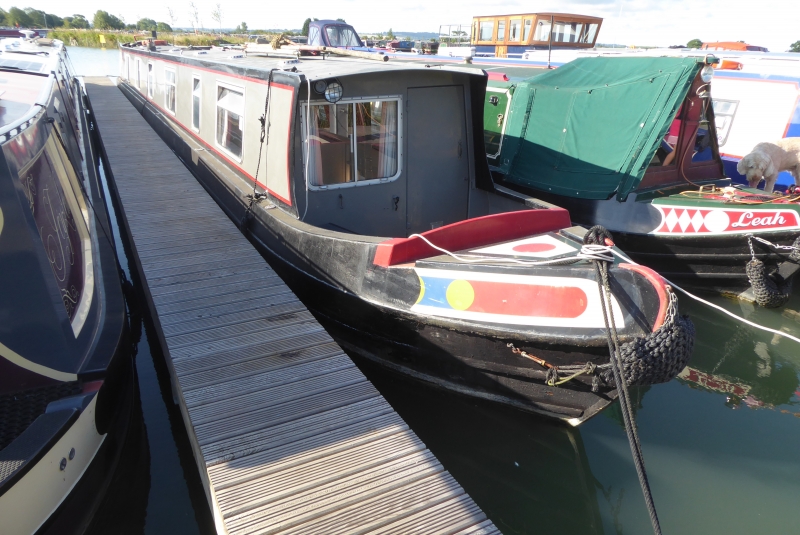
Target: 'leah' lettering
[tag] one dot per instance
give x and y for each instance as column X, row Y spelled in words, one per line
column 748, row 220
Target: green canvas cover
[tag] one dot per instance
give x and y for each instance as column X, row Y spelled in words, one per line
column 590, row 128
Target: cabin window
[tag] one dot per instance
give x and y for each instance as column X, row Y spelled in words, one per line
column 487, row 28
column 196, row 93
column 127, row 67
column 514, row 26
column 474, row 32
column 501, row 30
column 139, row 74
column 341, row 36
column 724, row 112
column 313, row 37
column 591, row 34
column 542, row 31
column 526, row 33
column 230, row 119
column 150, row 79
column 169, row 90
column 353, row 142
column 566, row 32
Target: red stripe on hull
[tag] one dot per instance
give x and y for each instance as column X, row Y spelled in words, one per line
column 528, row 300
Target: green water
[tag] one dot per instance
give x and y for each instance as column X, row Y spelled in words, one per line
column 718, row 463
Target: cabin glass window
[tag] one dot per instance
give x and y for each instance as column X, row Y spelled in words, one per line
column 230, row 119
column 542, row 31
column 169, row 90
column 591, row 34
column 514, row 26
column 487, row 28
column 566, row 32
column 353, row 142
column 501, row 30
column 526, row 32
column 139, row 74
column 151, row 75
column 196, row 93
column 724, row 112
column 341, row 36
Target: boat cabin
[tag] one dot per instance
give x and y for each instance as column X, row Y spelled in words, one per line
column 350, row 145
column 509, row 35
column 333, row 33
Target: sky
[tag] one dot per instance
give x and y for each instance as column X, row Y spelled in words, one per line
column 770, row 23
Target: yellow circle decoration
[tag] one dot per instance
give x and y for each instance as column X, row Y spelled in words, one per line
column 421, row 290
column 460, row 294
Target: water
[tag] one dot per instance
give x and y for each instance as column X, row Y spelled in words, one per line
column 721, row 445
column 94, row 61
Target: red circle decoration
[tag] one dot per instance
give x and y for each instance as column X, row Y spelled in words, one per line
column 533, row 247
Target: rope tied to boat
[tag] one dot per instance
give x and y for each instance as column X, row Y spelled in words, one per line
column 594, row 236
column 770, row 288
column 256, row 196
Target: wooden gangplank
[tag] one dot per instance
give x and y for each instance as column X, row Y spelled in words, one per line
column 289, row 436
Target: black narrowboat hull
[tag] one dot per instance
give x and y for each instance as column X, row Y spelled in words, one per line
column 435, row 350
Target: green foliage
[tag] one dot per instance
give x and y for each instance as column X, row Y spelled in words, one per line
column 104, row 21
column 3, row 14
column 146, row 24
column 795, row 47
column 163, row 27
column 90, row 38
column 17, row 17
column 241, row 28
column 76, row 21
column 390, row 34
column 306, row 24
column 341, row 20
column 694, row 43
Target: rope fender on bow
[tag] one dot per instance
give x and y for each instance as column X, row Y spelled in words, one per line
column 771, row 288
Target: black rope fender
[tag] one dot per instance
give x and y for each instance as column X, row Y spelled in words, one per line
column 770, row 288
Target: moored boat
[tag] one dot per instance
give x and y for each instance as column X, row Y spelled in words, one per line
column 631, row 144
column 66, row 379
column 365, row 185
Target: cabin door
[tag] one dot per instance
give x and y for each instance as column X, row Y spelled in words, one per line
column 438, row 158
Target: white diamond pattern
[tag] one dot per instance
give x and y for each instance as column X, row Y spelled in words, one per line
column 684, row 220
column 697, row 221
column 671, row 219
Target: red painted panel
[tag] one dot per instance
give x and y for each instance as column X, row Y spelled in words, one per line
column 533, row 247
column 471, row 233
column 499, row 76
column 528, row 300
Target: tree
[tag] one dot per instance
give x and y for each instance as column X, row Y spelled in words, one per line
column 306, row 24
column 17, row 17
column 390, row 34
column 3, row 14
column 103, row 21
column 241, row 28
column 193, row 16
column 146, row 24
column 694, row 43
column 76, row 21
column 163, row 27
column 216, row 14
column 795, row 47
column 341, row 20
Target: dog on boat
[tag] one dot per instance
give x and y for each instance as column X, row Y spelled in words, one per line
column 766, row 160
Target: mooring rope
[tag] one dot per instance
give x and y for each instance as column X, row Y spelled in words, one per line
column 597, row 235
column 264, row 120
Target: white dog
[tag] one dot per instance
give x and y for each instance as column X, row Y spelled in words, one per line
column 766, row 160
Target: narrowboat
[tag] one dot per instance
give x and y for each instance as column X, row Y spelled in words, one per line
column 66, row 377
column 509, row 36
column 365, row 185
column 631, row 143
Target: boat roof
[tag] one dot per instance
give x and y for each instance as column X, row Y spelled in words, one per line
column 25, row 67
column 259, row 65
column 589, row 128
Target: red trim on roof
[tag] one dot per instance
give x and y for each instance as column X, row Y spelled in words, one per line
column 470, row 233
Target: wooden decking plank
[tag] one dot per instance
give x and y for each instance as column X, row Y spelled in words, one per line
column 288, row 433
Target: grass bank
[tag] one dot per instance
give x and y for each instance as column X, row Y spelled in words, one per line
column 98, row 39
